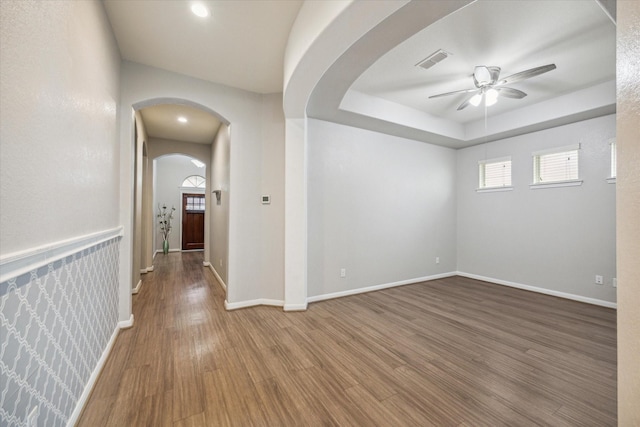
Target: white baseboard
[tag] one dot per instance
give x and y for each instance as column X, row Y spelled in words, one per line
column 559, row 294
column 295, row 307
column 146, row 270
column 126, row 324
column 137, row 288
column 217, row 276
column 82, row 401
column 340, row 294
column 252, row 303
column 303, row 306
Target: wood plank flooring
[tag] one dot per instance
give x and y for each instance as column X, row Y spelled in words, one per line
column 450, row 352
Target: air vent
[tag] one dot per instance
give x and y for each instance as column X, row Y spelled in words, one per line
column 433, row 59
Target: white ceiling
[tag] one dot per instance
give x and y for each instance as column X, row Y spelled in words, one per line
column 387, row 93
column 513, row 35
column 161, row 121
column 242, row 45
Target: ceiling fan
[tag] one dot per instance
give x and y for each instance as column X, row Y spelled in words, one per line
column 490, row 86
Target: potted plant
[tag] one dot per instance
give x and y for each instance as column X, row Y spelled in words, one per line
column 165, row 216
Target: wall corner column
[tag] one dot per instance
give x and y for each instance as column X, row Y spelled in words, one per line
column 295, row 228
column 127, row 158
column 627, row 211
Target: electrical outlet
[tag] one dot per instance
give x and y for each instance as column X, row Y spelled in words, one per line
column 614, row 282
column 343, row 272
column 32, row 419
column 437, row 260
column 599, row 280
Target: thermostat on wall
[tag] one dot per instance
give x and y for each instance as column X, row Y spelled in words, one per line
column 266, row 200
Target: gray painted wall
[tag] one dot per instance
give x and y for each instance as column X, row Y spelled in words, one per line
column 219, row 237
column 272, row 184
column 554, row 238
column 381, row 207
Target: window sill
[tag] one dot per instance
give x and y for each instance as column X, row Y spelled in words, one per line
column 611, row 180
column 494, row 189
column 572, row 183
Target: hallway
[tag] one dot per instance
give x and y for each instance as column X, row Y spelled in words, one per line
column 450, row 352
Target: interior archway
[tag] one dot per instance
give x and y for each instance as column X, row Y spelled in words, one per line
column 152, row 144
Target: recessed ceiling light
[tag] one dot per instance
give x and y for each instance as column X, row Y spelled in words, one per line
column 182, row 119
column 200, row 10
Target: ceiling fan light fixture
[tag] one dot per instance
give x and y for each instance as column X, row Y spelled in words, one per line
column 491, row 97
column 476, row 99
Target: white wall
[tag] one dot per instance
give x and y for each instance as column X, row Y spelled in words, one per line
column 219, row 236
column 381, row 207
column 59, row 193
column 59, row 175
column 554, row 238
column 170, row 171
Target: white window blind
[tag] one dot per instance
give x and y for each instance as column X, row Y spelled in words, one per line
column 556, row 165
column 494, row 173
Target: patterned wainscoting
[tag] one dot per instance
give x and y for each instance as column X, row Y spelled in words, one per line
column 56, row 321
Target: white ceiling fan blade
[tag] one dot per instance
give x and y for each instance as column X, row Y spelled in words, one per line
column 454, row 92
column 509, row 92
column 527, row 74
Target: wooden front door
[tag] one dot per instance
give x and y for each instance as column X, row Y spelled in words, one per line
column 192, row 221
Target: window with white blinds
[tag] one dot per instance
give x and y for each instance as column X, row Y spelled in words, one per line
column 556, row 165
column 494, row 173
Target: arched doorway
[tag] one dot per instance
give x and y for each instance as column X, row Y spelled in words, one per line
column 161, row 132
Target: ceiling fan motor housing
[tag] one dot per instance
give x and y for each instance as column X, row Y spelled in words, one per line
column 485, row 76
